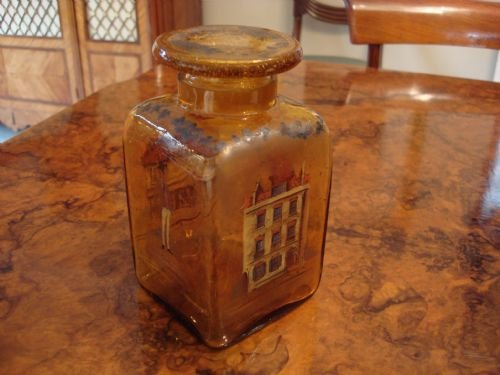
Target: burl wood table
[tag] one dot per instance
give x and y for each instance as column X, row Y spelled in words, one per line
column 411, row 280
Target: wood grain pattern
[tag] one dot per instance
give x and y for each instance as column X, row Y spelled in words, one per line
column 186, row 13
column 27, row 111
column 173, row 14
column 411, row 280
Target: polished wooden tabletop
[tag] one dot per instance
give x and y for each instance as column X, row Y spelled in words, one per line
column 411, row 279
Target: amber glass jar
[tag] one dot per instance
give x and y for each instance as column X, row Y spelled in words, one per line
column 228, row 183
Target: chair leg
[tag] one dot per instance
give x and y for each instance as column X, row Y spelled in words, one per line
column 297, row 27
column 374, row 55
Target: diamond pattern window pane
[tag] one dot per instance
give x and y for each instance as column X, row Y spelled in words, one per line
column 32, row 18
column 112, row 20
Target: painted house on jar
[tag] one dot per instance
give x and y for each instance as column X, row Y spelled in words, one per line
column 272, row 228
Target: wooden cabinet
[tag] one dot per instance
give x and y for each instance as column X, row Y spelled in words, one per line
column 54, row 52
column 39, row 61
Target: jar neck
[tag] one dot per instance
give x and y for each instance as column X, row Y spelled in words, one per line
column 232, row 96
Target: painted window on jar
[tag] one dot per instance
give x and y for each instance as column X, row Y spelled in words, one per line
column 275, row 263
column 276, row 239
column 290, row 232
column 259, row 271
column 278, row 189
column 292, row 210
column 291, row 257
column 259, row 248
column 276, row 213
column 261, row 219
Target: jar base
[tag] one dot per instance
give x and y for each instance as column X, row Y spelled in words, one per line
column 222, row 341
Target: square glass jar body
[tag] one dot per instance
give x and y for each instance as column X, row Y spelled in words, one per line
column 228, row 212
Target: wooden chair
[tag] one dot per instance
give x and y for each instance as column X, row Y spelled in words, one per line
column 319, row 11
column 322, row 12
column 448, row 22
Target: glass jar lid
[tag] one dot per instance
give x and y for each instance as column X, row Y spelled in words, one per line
column 228, row 51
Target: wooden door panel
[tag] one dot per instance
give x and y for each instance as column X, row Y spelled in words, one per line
column 52, row 53
column 39, row 75
column 20, row 113
column 114, row 39
column 3, row 79
column 115, row 36
column 39, row 60
column 109, row 68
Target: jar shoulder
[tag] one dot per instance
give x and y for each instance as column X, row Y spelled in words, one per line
column 209, row 134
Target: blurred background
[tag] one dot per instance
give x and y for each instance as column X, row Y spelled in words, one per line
column 320, row 38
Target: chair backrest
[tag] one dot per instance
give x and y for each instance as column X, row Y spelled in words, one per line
column 447, row 22
column 320, row 11
column 323, row 12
